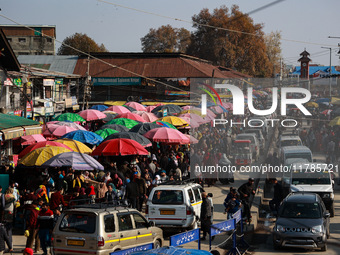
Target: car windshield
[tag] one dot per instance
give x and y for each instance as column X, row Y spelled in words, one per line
column 300, row 210
column 306, row 155
column 168, row 197
column 290, row 143
column 300, row 178
column 78, row 223
column 241, row 148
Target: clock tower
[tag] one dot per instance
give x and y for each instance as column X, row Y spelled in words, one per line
column 304, row 59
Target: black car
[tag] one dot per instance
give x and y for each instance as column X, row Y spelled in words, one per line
column 302, row 222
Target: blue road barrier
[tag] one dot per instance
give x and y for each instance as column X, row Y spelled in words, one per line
column 186, row 237
column 144, row 247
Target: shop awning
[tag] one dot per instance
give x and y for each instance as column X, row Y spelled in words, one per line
column 11, row 133
column 33, row 130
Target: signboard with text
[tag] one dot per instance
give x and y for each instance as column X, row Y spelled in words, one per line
column 116, row 81
column 134, row 249
column 186, row 237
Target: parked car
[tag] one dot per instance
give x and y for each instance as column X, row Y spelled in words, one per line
column 296, row 152
column 175, row 204
column 302, row 222
column 95, row 230
column 288, row 140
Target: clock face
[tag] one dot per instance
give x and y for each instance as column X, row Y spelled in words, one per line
column 304, row 64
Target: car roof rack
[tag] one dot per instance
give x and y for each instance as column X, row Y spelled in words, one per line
column 87, row 203
column 183, row 182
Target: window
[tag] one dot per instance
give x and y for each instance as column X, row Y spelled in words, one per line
column 125, row 222
column 49, row 40
column 22, row 40
column 191, row 196
column 37, row 39
column 109, row 222
column 197, row 194
column 78, row 223
column 168, row 197
column 140, row 222
column 9, row 40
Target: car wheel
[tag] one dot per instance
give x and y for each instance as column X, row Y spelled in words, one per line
column 332, row 210
column 157, row 244
column 324, row 248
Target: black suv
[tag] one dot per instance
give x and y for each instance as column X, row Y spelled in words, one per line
column 302, row 222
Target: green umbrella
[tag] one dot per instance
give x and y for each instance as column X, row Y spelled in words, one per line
column 69, row 117
column 165, row 124
column 124, row 122
column 106, row 132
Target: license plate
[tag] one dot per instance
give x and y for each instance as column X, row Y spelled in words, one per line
column 75, row 242
column 167, row 212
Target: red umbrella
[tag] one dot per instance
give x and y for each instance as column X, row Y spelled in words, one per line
column 56, row 130
column 42, row 144
column 167, row 135
column 91, row 114
column 131, row 116
column 120, row 147
column 118, row 109
column 137, row 106
column 31, row 139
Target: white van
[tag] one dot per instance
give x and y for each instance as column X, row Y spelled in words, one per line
column 313, row 178
column 296, row 152
column 288, row 140
column 175, row 205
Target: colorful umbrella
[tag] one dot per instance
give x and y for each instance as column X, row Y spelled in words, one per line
column 70, row 117
column 99, row 107
column 76, row 160
column 133, row 136
column 196, row 111
column 75, row 145
column 41, row 155
column 193, row 117
column 147, row 116
column 312, row 104
column 120, row 147
column 131, row 116
column 109, row 116
column 137, row 106
column 335, row 122
column 192, row 139
column 84, row 137
column 124, row 122
column 192, row 123
column 167, row 135
column 171, row 108
column 119, row 128
column 187, row 107
column 150, row 108
column 144, row 127
column 165, row 124
column 40, row 145
column 31, row 139
column 323, row 100
column 131, row 109
column 90, row 115
column 227, row 105
column 216, row 109
column 106, row 132
column 56, row 130
column 118, row 109
column 66, row 123
column 175, row 121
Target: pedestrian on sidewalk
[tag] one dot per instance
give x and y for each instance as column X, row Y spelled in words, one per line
column 32, row 226
column 206, row 214
column 4, row 238
column 278, row 197
column 45, row 222
column 245, row 191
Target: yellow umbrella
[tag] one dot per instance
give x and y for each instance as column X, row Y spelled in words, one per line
column 312, row 104
column 335, row 122
column 197, row 112
column 176, row 121
column 39, row 156
column 75, row 145
column 114, row 102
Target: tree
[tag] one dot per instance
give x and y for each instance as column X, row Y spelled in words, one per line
column 245, row 52
column 81, row 42
column 273, row 46
column 166, row 39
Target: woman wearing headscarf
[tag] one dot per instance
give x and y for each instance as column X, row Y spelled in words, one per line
column 101, row 190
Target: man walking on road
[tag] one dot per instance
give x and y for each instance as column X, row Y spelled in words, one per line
column 206, row 214
column 278, row 196
column 245, row 191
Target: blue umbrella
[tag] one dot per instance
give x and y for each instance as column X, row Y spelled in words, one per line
column 99, row 107
column 224, row 109
column 323, row 100
column 76, row 160
column 84, row 137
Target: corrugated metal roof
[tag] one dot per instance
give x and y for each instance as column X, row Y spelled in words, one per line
column 43, row 73
column 57, row 63
column 148, row 65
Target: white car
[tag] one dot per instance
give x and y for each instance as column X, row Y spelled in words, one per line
column 175, row 205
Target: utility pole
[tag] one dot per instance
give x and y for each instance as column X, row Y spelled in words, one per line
column 330, row 69
column 87, row 83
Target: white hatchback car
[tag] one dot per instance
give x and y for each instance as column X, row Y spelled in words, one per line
column 175, row 205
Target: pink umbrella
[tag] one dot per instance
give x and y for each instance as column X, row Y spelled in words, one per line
column 147, row 116
column 118, row 109
column 131, row 116
column 137, row 106
column 192, row 123
column 65, row 123
column 56, row 130
column 187, row 107
column 167, row 135
column 192, row 139
column 193, row 117
column 150, row 108
column 217, row 109
column 31, row 139
column 91, row 114
column 228, row 106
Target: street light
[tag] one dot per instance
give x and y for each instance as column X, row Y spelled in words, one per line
column 330, row 70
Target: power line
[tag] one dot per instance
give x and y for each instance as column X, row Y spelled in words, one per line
column 209, row 26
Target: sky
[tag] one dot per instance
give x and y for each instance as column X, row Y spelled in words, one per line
column 304, row 24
